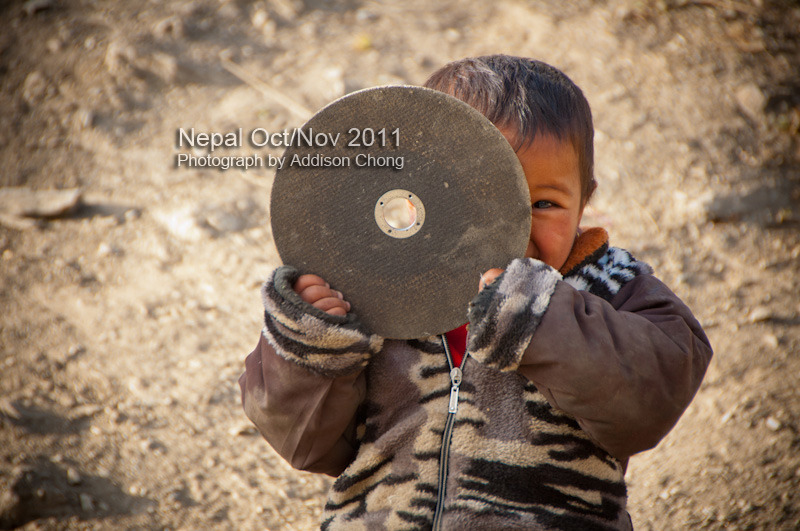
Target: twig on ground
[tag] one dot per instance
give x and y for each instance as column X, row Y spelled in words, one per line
column 739, row 7
column 275, row 95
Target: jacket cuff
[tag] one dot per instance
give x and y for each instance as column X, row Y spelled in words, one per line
column 326, row 344
column 504, row 316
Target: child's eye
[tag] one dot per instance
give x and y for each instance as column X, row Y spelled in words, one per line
column 542, row 204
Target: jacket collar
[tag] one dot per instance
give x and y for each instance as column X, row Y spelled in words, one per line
column 589, row 246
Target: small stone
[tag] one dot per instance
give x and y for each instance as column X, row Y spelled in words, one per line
column 32, row 6
column 666, row 494
column 727, row 416
column 452, row 35
column 21, row 201
column 84, row 118
column 152, row 445
column 73, row 477
column 771, row 340
column 104, row 249
column 709, row 514
column 76, row 350
column 138, row 490
column 132, row 214
column 751, row 100
column 259, row 18
column 9, row 409
column 225, row 222
column 362, row 42
column 34, row 87
column 365, row 15
column 87, row 503
column 745, row 506
column 169, row 27
column 86, row 410
column 759, row 314
column 285, row 9
column 242, row 429
column 53, row 45
column 773, row 424
column 182, row 224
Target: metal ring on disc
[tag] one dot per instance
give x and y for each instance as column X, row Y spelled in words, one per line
column 399, row 213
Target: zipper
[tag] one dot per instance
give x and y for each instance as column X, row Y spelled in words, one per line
column 444, row 456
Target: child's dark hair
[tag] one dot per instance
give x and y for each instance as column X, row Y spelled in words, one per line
column 528, row 97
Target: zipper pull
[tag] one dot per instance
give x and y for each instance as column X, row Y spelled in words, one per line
column 455, row 380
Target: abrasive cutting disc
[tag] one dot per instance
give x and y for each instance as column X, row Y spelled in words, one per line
column 400, row 197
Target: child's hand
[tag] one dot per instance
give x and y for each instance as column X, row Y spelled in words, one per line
column 488, row 277
column 318, row 293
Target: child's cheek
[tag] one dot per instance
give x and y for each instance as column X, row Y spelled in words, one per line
column 531, row 251
column 557, row 241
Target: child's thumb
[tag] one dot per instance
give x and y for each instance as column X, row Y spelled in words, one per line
column 488, row 277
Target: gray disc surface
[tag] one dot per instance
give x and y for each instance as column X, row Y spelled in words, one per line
column 455, row 179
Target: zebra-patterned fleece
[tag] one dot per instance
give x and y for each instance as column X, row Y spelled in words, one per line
column 517, row 437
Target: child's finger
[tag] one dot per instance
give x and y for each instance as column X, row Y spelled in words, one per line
column 315, row 292
column 489, row 277
column 305, row 281
column 333, row 305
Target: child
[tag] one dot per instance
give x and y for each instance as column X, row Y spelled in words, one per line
column 577, row 357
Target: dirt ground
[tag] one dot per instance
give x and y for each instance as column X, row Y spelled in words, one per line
column 124, row 322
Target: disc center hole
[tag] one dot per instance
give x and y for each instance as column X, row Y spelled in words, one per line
column 400, row 213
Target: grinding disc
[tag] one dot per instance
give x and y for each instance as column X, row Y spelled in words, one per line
column 418, row 197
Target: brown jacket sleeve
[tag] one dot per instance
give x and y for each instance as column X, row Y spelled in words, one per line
column 626, row 369
column 309, row 419
column 304, row 382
